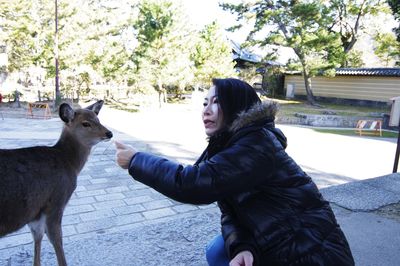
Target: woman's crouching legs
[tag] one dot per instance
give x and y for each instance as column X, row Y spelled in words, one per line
column 215, row 252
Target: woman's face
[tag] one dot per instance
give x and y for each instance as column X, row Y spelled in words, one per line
column 212, row 114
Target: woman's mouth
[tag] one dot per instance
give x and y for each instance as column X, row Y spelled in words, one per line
column 208, row 123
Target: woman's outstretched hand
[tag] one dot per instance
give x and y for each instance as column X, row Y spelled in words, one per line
column 243, row 258
column 124, row 154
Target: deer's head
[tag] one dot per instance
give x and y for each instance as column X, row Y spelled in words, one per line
column 84, row 123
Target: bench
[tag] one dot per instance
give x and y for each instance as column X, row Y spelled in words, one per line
column 42, row 106
column 369, row 127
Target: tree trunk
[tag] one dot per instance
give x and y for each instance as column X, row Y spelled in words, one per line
column 307, row 79
column 162, row 98
column 264, row 84
column 16, row 98
column 307, row 83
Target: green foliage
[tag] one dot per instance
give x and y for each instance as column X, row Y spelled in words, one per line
column 395, row 6
column 18, row 33
column 103, row 36
column 250, row 75
column 155, row 21
column 76, row 84
column 354, row 59
column 274, row 83
column 348, row 19
column 387, row 48
column 212, row 56
column 87, row 35
column 162, row 58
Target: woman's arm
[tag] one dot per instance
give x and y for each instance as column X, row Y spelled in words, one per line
column 238, row 168
column 237, row 239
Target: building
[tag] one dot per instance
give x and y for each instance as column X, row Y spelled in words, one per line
column 364, row 85
column 242, row 57
column 252, row 68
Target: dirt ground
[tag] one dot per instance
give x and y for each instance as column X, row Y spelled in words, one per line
column 391, row 211
column 13, row 110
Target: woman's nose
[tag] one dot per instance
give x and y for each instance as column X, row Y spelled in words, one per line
column 206, row 109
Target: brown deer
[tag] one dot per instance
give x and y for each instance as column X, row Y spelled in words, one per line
column 37, row 182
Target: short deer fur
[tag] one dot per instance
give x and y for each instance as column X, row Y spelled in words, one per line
column 37, row 182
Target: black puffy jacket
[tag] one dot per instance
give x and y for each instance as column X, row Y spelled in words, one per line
column 268, row 204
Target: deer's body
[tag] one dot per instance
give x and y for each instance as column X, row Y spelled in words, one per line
column 37, row 182
column 29, row 175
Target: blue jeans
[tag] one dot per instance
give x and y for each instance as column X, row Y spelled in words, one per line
column 215, row 252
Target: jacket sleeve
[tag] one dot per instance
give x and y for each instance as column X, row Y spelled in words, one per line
column 236, row 238
column 238, row 168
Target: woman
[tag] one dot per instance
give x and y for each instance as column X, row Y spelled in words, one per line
column 271, row 211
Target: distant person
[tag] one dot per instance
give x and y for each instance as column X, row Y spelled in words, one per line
column 271, row 211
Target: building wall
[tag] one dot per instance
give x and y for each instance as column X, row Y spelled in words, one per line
column 371, row 88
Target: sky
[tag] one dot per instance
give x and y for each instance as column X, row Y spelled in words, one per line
column 204, row 12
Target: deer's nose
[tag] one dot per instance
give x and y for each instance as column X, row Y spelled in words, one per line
column 109, row 134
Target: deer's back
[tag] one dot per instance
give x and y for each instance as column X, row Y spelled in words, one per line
column 32, row 180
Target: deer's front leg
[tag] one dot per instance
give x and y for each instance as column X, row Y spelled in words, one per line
column 54, row 233
column 37, row 229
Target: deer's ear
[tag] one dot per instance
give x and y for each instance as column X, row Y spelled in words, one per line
column 66, row 112
column 96, row 106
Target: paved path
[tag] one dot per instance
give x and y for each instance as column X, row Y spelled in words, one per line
column 112, row 219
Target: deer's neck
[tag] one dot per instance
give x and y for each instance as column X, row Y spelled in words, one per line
column 74, row 152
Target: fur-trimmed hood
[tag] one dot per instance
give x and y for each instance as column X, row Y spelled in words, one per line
column 264, row 110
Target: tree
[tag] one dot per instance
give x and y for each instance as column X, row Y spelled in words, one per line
column 347, row 21
column 212, row 56
column 162, row 54
column 92, row 34
column 300, row 25
column 105, row 37
column 387, row 48
column 19, row 34
column 395, row 6
column 25, row 27
column 29, row 27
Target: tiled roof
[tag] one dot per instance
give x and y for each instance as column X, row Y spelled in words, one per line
column 382, row 71
column 244, row 55
column 388, row 72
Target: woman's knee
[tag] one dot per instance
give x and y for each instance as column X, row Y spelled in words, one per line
column 215, row 252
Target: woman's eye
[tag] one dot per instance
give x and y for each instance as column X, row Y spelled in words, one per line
column 85, row 124
column 204, row 104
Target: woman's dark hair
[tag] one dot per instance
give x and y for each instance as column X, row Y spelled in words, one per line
column 234, row 96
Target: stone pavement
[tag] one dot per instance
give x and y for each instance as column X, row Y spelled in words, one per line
column 112, row 219
column 373, row 234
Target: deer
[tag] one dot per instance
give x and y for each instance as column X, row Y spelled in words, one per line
column 37, row 182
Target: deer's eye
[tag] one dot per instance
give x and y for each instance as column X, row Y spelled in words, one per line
column 85, row 124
